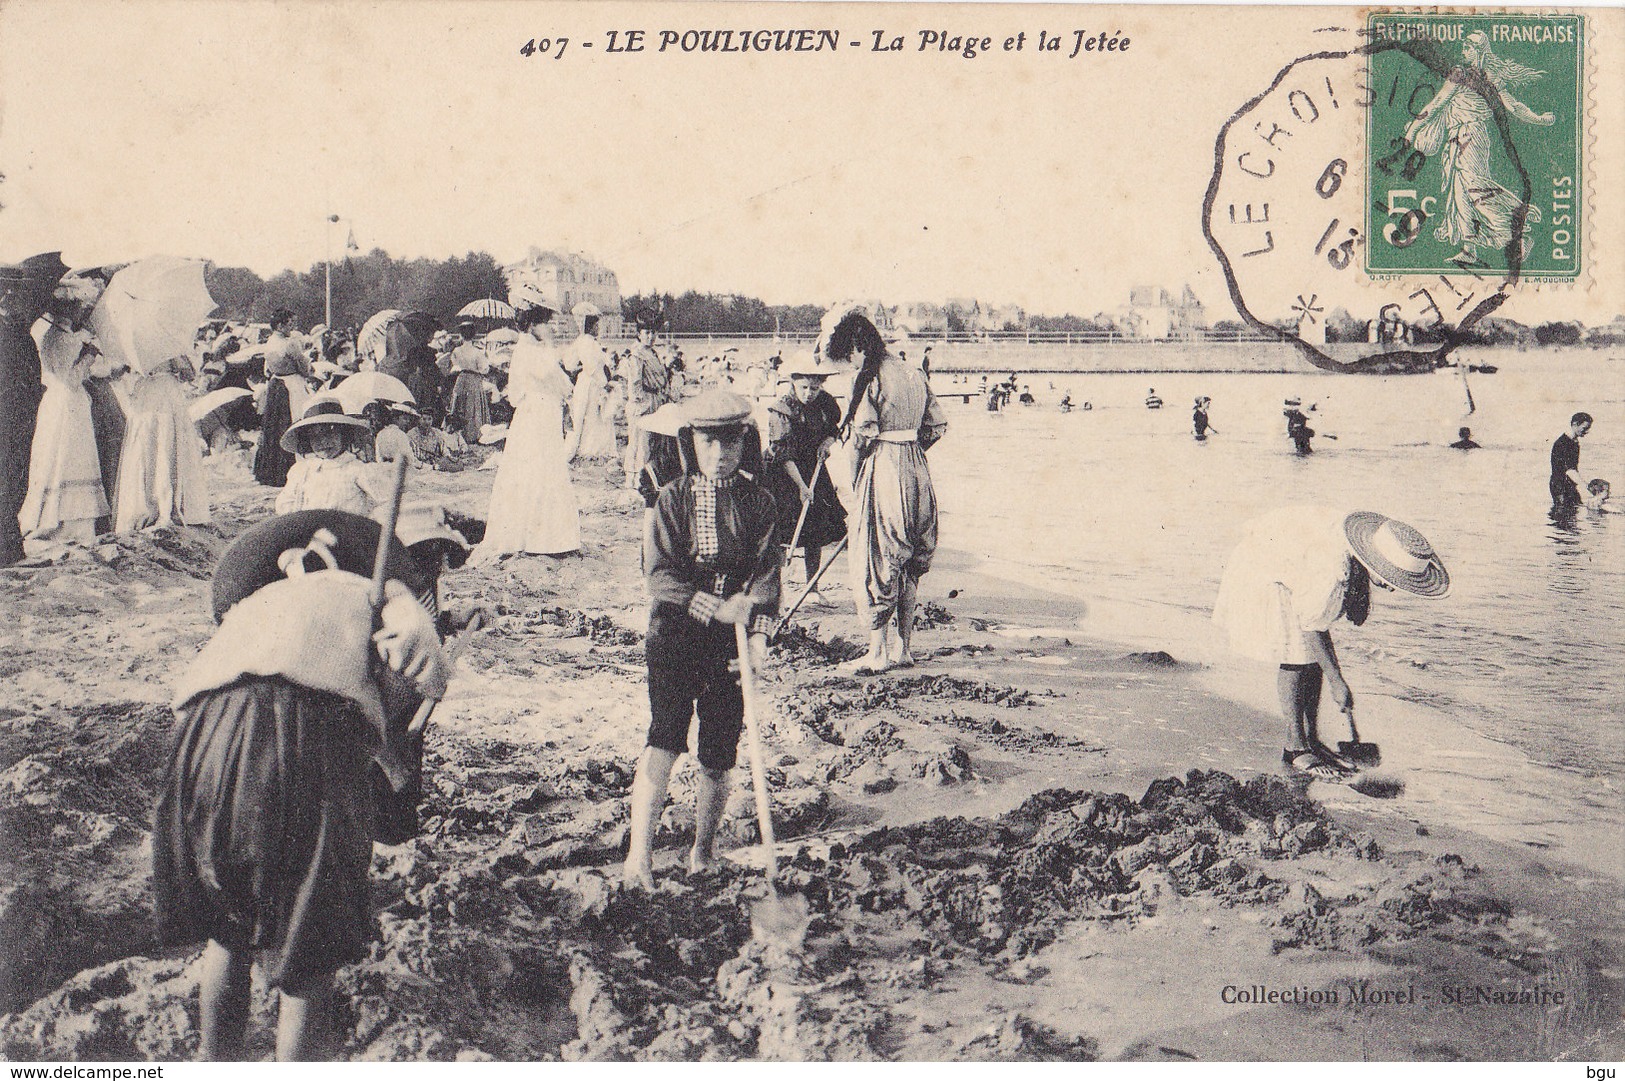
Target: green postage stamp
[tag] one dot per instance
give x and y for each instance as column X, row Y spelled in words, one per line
column 1474, row 141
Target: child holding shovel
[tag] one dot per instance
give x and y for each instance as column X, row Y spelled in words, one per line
column 712, row 565
column 1298, row 571
column 263, row 832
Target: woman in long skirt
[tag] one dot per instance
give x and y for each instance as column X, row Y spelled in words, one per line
column 65, row 495
column 285, row 396
column 533, row 505
column 893, row 418
column 161, row 478
column 468, row 405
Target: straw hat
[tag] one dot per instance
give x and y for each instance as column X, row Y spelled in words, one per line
column 716, row 410
column 528, row 296
column 406, row 408
column 805, row 363
column 323, row 412
column 1396, row 553
column 424, row 523
column 666, row 420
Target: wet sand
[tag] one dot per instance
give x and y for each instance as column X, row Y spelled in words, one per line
column 1025, row 848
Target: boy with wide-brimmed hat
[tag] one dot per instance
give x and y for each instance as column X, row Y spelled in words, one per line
column 802, row 428
column 713, row 564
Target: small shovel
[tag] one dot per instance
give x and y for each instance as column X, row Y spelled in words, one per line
column 778, row 919
column 1355, row 749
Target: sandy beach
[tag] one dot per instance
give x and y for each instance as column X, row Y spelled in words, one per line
column 1031, row 846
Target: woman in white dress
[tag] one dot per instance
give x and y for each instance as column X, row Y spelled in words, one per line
column 161, row 478
column 592, row 405
column 533, row 505
column 65, row 495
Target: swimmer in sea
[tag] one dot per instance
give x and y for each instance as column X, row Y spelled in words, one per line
column 1465, row 442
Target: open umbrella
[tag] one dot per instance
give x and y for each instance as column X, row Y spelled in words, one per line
column 485, row 309
column 371, row 335
column 364, row 387
column 150, row 311
column 215, row 399
column 584, row 309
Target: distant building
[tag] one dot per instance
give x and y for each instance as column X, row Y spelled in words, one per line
column 1154, row 312
column 568, row 279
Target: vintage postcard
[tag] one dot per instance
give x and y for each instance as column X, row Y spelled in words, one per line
column 804, row 532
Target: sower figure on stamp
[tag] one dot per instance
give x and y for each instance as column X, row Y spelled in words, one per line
column 713, row 564
column 265, row 820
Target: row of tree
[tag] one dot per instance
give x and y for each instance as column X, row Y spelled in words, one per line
column 362, row 286
column 366, row 284
column 724, row 313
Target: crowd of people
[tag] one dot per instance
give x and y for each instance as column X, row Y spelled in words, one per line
column 299, row 736
column 299, row 740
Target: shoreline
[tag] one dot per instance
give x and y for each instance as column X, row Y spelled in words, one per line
column 971, row 899
column 1430, row 744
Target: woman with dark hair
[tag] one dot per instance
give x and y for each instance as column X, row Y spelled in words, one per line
column 287, row 369
column 533, row 505
column 893, row 418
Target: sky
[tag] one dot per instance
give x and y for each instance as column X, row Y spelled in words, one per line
column 232, row 131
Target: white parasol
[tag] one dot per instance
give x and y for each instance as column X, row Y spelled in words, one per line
column 215, row 399
column 369, row 342
column 150, row 312
column 364, row 387
column 486, row 309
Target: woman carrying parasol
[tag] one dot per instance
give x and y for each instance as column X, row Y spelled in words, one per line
column 533, row 504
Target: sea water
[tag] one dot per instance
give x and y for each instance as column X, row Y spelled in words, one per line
column 1122, row 505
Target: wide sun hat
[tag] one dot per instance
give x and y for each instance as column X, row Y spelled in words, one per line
column 421, row 522
column 1396, row 553
column 666, row 420
column 322, row 412
column 528, row 296
column 717, row 409
column 805, row 363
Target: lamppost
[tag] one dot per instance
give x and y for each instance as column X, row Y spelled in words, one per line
column 327, row 307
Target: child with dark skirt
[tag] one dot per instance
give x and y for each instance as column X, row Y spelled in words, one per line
column 664, row 464
column 265, row 820
column 713, row 565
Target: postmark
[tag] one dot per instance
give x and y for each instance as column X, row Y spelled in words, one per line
column 1338, row 189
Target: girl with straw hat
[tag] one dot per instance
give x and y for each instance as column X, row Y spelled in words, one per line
column 328, row 474
column 263, row 833
column 1298, row 571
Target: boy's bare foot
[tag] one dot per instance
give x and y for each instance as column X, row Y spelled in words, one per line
column 638, row 875
column 699, row 861
column 869, row 664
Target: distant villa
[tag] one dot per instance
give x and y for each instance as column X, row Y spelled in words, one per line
column 568, row 279
column 1153, row 312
